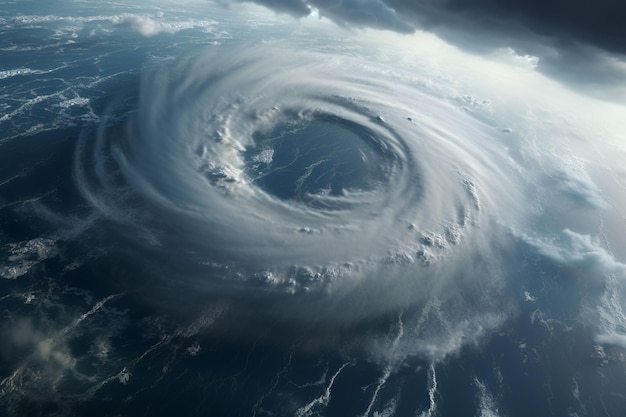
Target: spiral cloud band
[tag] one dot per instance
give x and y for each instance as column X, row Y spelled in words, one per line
column 301, row 174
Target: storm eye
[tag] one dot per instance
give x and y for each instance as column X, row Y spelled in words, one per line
column 316, row 162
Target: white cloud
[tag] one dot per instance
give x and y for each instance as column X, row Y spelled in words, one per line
column 577, row 250
column 573, row 179
column 153, row 25
column 142, row 24
column 511, row 56
column 615, row 339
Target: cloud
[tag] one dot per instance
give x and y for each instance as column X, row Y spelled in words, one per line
column 142, row 24
column 21, row 257
column 48, row 352
column 574, row 41
column 578, row 251
column 145, row 24
column 295, row 8
column 571, row 177
column 370, row 13
column 604, row 311
column 588, row 67
column 598, row 23
column 614, row 339
column 153, row 25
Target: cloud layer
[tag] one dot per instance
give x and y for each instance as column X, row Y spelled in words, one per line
column 597, row 23
column 579, row 43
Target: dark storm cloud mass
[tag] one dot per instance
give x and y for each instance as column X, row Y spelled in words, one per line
column 599, row 23
column 578, row 42
column 368, row 13
column 297, row 8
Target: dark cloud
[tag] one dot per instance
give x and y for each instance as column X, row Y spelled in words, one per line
column 348, row 13
column 599, row 23
column 592, row 70
column 369, row 13
column 296, row 8
column 576, row 41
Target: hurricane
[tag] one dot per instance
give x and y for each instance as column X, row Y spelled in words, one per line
column 209, row 211
column 307, row 179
